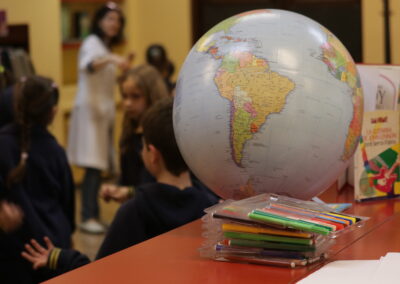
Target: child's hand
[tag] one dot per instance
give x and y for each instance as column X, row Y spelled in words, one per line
column 106, row 191
column 10, row 216
column 36, row 254
column 112, row 192
column 122, row 63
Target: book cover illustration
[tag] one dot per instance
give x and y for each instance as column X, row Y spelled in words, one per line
column 377, row 170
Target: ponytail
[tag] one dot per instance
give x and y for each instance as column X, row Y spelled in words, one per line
column 17, row 173
column 34, row 98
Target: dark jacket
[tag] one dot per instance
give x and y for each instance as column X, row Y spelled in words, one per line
column 155, row 209
column 6, row 106
column 46, row 196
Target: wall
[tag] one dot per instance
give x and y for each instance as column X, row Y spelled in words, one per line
column 168, row 23
column 395, row 31
column 43, row 18
column 373, row 31
column 159, row 21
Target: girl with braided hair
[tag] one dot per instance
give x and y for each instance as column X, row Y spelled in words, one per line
column 36, row 186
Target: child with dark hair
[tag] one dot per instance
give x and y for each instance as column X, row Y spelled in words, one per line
column 156, row 55
column 36, row 186
column 173, row 200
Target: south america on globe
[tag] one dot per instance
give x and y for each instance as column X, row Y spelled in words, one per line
column 268, row 101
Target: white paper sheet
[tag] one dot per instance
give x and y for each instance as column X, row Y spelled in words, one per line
column 388, row 270
column 382, row 271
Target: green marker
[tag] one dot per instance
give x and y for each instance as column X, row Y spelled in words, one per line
column 287, row 222
column 265, row 237
column 270, row 245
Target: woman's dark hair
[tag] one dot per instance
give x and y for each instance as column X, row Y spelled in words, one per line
column 100, row 14
column 34, row 99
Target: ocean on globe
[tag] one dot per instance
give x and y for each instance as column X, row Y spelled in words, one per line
column 268, row 101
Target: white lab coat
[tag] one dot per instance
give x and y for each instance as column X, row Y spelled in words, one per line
column 90, row 141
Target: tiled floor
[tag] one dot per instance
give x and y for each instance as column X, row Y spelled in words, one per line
column 89, row 243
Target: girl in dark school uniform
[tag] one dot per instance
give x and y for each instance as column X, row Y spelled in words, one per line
column 35, row 178
column 140, row 88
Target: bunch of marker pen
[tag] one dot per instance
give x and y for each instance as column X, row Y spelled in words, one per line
column 274, row 230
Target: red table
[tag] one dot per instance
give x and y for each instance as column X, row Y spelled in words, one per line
column 173, row 257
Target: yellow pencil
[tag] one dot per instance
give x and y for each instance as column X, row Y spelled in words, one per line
column 259, row 230
column 341, row 216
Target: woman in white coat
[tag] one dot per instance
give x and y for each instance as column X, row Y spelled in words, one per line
column 90, row 137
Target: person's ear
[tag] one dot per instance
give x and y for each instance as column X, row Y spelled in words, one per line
column 154, row 154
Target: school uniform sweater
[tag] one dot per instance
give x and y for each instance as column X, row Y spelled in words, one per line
column 6, row 106
column 46, row 196
column 155, row 209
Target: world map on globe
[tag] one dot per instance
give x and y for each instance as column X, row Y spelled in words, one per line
column 268, row 101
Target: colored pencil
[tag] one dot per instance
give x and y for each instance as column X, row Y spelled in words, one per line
column 260, row 230
column 268, row 245
column 295, row 224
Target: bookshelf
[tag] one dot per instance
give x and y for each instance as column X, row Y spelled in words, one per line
column 76, row 16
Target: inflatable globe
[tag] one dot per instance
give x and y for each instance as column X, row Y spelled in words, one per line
column 268, row 101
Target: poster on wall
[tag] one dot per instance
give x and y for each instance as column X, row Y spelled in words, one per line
column 377, row 159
